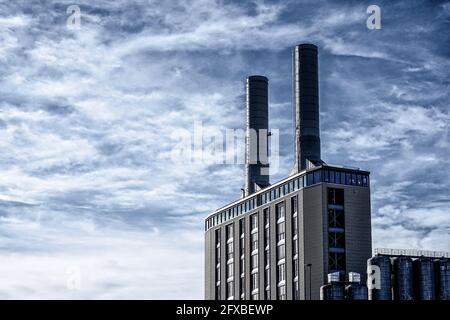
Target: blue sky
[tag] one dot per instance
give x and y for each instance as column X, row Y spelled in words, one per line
column 87, row 119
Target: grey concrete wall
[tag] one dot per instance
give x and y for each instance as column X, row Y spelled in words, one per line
column 358, row 236
column 313, row 244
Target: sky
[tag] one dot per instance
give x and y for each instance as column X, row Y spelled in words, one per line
column 95, row 203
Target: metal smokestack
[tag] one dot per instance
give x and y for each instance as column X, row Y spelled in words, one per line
column 256, row 147
column 305, row 83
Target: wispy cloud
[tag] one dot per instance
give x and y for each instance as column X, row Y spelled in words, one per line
column 87, row 116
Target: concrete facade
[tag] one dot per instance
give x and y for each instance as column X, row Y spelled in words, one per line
column 313, row 241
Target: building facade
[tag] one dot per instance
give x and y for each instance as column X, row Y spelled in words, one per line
column 281, row 242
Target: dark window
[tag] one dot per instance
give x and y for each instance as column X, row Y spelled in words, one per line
column 310, row 179
column 266, row 216
column 364, row 181
column 342, row 178
column 294, row 205
column 338, row 177
column 326, row 176
column 317, row 176
column 354, row 179
column 358, row 180
column 336, row 196
column 332, row 180
column 348, row 178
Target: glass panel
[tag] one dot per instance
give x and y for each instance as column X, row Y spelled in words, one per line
column 317, row 176
column 338, row 177
column 332, row 177
column 310, row 179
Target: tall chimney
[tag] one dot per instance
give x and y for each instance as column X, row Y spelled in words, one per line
column 256, row 146
column 305, row 83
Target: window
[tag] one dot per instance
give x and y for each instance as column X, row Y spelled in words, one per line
column 254, row 261
column 338, row 177
column 255, row 280
column 348, row 178
column 229, row 270
column 281, row 272
column 230, row 250
column 310, row 179
column 230, row 288
column 254, row 240
column 281, row 231
column 294, row 205
column 296, row 291
column 282, row 292
column 343, row 178
column 266, row 217
column 336, row 196
column 281, row 251
column 254, row 221
column 359, row 180
column 353, row 179
column 218, row 297
column 317, row 176
column 280, row 211
column 242, row 287
column 332, row 180
column 229, row 231
column 242, row 265
column 364, row 181
column 326, row 176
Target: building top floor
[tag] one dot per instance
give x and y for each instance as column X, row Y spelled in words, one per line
column 320, row 174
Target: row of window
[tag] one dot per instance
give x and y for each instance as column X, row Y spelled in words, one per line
column 336, row 229
column 310, row 178
column 280, row 236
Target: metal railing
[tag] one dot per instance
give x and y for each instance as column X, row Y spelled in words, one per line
column 412, row 253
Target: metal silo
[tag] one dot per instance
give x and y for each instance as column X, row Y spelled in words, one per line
column 383, row 289
column 424, row 280
column 442, row 273
column 332, row 291
column 403, row 278
column 356, row 291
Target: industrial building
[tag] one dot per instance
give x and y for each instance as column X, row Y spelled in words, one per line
column 280, row 241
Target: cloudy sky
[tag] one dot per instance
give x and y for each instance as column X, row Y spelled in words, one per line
column 94, row 203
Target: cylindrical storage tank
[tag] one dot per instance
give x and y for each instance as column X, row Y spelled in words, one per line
column 424, row 281
column 403, row 278
column 442, row 274
column 356, row 291
column 332, row 291
column 383, row 290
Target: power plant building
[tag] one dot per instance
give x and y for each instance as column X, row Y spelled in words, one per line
column 280, row 241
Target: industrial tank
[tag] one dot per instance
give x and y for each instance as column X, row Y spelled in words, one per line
column 384, row 290
column 332, row 291
column 403, row 278
column 356, row 291
column 442, row 273
column 424, row 280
